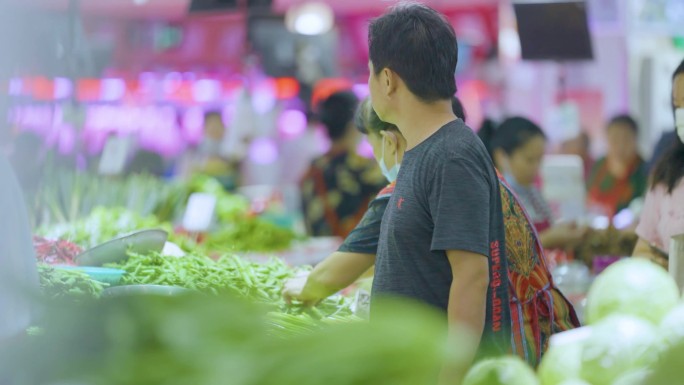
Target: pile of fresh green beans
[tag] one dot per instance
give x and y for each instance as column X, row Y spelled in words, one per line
column 258, row 282
column 67, row 284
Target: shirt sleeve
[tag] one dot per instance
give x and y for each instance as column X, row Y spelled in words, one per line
column 364, row 238
column 650, row 217
column 460, row 206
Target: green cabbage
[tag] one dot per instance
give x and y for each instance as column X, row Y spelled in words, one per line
column 574, row 382
column 632, row 286
column 672, row 327
column 618, row 345
column 561, row 364
column 636, row 377
column 501, row 371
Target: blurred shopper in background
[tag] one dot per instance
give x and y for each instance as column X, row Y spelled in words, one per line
column 663, row 213
column 210, row 158
column 621, row 176
column 517, row 147
column 580, row 146
column 339, row 185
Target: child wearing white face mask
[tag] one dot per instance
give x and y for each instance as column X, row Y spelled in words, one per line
column 663, row 213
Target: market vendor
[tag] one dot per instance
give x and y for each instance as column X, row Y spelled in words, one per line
column 357, row 253
column 621, row 176
column 211, row 159
column 663, row 212
column 18, row 271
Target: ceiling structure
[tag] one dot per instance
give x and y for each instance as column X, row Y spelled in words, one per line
column 176, row 9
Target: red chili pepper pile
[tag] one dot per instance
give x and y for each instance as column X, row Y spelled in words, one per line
column 55, row 252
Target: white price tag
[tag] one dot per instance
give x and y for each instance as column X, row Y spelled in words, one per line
column 199, row 213
column 563, row 177
column 361, row 305
column 114, row 156
column 565, row 119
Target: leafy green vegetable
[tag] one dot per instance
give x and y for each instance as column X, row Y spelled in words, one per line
column 199, row 339
column 250, row 234
column 501, row 371
column 67, row 196
column 668, row 370
column 260, row 283
column 561, row 363
column 102, row 225
column 618, row 345
column 672, row 327
column 633, row 286
column 71, row 284
column 105, row 224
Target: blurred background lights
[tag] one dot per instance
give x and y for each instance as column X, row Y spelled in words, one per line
column 263, row 151
column 310, row 18
column 292, row 123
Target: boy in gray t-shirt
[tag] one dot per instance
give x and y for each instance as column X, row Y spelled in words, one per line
column 442, row 239
column 446, row 198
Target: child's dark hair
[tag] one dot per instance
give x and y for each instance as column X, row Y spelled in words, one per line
column 510, row 135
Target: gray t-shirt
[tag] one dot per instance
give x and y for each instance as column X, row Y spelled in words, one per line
column 447, row 198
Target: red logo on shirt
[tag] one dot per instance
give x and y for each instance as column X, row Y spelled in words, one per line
column 495, row 284
column 400, row 203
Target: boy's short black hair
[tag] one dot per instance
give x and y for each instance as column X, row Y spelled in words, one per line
column 336, row 112
column 419, row 44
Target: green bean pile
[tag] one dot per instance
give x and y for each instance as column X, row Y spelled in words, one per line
column 261, row 283
column 68, row 284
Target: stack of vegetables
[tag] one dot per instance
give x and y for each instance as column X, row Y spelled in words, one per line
column 257, row 282
column 103, row 224
column 67, row 196
column 635, row 336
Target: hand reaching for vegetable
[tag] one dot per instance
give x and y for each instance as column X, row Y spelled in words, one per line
column 294, row 289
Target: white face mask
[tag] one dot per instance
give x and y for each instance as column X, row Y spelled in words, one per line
column 392, row 173
column 679, row 122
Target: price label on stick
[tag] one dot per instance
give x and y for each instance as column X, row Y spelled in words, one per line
column 199, row 213
column 114, row 156
column 361, row 305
